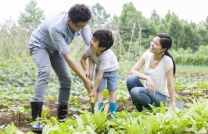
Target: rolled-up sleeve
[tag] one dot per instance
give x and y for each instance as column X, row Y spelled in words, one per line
column 86, row 35
column 58, row 41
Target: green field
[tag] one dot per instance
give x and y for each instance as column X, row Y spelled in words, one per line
column 16, row 90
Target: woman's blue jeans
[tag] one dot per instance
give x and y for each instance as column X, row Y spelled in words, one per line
column 140, row 96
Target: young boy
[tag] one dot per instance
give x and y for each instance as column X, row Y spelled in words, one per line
column 106, row 67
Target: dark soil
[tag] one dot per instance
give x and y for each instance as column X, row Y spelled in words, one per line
column 22, row 122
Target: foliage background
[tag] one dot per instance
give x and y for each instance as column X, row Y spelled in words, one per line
column 132, row 33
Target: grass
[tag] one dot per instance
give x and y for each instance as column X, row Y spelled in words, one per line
column 191, row 69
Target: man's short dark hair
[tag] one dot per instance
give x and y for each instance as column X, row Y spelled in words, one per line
column 79, row 13
column 105, row 38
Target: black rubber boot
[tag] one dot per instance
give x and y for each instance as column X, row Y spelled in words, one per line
column 36, row 113
column 62, row 112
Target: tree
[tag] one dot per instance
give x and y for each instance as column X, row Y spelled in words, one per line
column 150, row 28
column 31, row 17
column 129, row 19
column 100, row 17
column 206, row 23
column 164, row 22
column 154, row 23
column 187, row 37
column 155, row 18
column 172, row 26
column 205, row 31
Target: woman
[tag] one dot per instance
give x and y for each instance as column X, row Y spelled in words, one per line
column 159, row 68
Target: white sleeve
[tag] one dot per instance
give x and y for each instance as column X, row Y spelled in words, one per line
column 169, row 64
column 145, row 55
column 87, row 52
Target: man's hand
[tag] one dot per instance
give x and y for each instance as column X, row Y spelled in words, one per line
column 88, row 84
column 87, row 74
column 91, row 75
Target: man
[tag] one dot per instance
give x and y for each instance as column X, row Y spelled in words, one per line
column 48, row 47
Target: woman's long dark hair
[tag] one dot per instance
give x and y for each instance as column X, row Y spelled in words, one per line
column 166, row 42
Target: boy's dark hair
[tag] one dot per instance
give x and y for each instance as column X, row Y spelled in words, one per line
column 105, row 38
column 79, row 13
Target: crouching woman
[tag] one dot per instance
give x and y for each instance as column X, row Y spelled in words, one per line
column 159, row 69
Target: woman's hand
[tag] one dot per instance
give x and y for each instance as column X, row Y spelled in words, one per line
column 150, row 86
column 175, row 109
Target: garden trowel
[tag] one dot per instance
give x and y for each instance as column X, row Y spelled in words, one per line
column 179, row 104
column 92, row 101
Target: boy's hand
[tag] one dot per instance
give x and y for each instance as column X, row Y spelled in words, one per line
column 88, row 84
column 92, row 93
